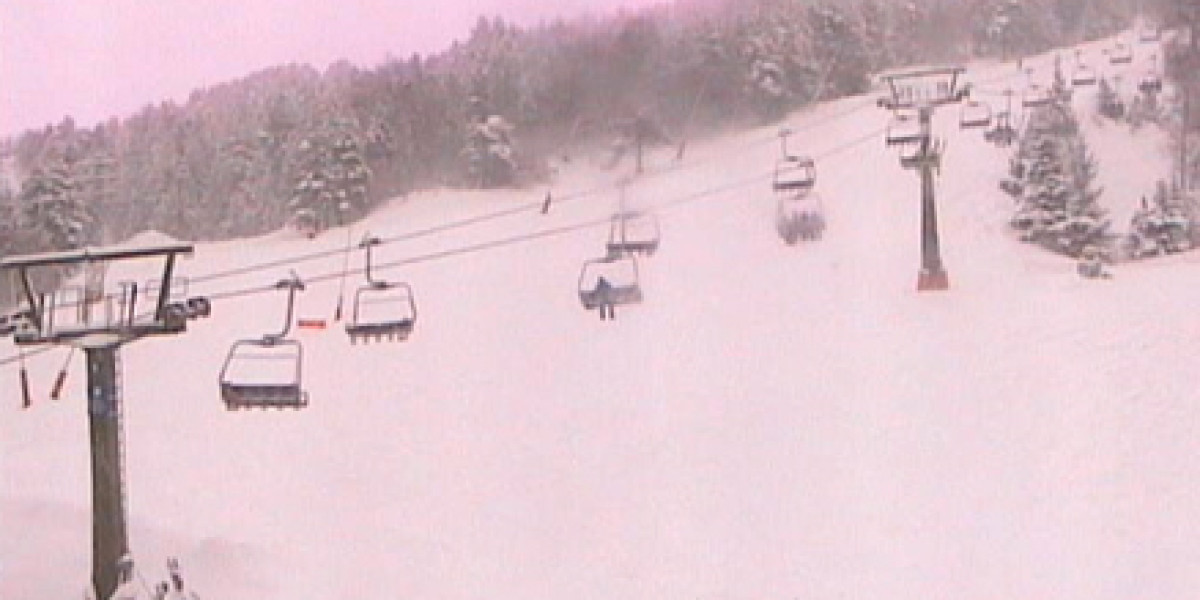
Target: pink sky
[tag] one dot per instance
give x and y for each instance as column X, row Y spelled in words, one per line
column 96, row 58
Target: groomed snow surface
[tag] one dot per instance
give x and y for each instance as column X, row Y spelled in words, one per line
column 772, row 422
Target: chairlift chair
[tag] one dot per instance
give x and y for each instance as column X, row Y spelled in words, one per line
column 1002, row 133
column 382, row 309
column 794, row 174
column 800, row 217
column 1150, row 84
column 266, row 372
column 904, row 128
column 1083, row 75
column 621, row 275
column 1036, row 96
column 1120, row 55
column 975, row 114
column 633, row 232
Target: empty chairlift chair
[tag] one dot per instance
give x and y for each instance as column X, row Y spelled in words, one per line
column 266, row 372
column 974, row 115
column 1120, row 54
column 383, row 310
column 794, row 174
column 633, row 232
column 610, row 281
column 1083, row 75
column 1037, row 95
column 904, row 128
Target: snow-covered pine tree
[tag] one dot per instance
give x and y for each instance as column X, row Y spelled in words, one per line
column 1058, row 205
column 767, row 88
column 50, row 202
column 1160, row 226
column 839, row 46
column 491, row 161
column 332, row 180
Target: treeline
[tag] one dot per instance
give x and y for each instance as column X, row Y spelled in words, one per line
column 246, row 156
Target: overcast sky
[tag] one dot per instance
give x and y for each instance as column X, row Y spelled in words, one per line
column 96, row 58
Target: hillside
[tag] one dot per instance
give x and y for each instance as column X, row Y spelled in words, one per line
column 773, row 421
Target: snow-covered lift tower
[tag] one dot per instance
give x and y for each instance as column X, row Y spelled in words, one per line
column 924, row 90
column 99, row 321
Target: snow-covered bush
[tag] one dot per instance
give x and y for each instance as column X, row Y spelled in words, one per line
column 1160, row 226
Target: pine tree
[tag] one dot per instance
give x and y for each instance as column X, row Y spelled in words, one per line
column 838, row 45
column 50, row 202
column 1058, row 206
column 491, row 161
column 332, row 180
column 1160, row 226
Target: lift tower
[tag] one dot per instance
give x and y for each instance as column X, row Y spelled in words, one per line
column 100, row 322
column 923, row 91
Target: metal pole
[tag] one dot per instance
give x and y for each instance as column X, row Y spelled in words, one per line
column 110, row 538
column 932, row 276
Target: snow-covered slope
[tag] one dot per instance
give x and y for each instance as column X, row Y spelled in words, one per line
column 773, row 421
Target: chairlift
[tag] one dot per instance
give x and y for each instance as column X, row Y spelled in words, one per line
column 265, row 372
column 1120, row 54
column 633, row 232
column 800, row 217
column 609, row 281
column 1002, row 133
column 1150, row 84
column 1083, row 75
column 974, row 114
column 792, row 172
column 1037, row 95
column 904, row 128
column 382, row 309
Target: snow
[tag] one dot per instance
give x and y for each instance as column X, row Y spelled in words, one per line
column 772, row 422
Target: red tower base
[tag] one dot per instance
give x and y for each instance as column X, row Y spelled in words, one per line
column 932, row 281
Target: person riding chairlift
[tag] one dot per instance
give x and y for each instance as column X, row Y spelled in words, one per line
column 604, row 291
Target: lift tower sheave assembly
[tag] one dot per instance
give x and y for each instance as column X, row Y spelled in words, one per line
column 99, row 322
column 923, row 91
